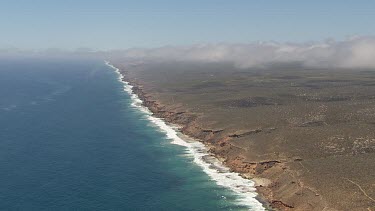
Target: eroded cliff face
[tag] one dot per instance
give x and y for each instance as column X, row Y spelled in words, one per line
column 276, row 182
column 306, row 137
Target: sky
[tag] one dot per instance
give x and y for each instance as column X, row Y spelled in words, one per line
column 123, row 24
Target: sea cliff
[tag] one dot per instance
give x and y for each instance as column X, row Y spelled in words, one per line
column 306, row 146
column 271, row 184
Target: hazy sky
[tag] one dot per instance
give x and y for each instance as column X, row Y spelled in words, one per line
column 118, row 24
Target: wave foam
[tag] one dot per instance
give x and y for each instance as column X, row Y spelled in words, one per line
column 221, row 174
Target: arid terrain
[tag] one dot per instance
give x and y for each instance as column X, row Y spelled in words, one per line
column 306, row 136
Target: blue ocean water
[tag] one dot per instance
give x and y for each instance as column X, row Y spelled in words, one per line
column 70, row 140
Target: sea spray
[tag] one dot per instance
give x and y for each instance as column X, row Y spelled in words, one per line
column 243, row 188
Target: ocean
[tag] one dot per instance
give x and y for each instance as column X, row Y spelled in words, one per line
column 74, row 137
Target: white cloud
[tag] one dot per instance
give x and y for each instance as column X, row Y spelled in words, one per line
column 358, row 52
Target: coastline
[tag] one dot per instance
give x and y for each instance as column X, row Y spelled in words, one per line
column 292, row 163
column 212, row 164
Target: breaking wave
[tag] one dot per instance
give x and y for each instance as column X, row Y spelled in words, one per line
column 243, row 188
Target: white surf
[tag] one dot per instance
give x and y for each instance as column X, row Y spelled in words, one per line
column 243, row 188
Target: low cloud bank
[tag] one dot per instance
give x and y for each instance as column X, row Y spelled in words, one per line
column 356, row 52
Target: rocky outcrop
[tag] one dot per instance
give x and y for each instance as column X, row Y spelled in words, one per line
column 245, row 134
column 212, row 131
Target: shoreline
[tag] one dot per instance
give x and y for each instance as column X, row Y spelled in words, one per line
column 212, row 164
column 297, row 164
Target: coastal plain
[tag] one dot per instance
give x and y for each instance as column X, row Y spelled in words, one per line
column 305, row 136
